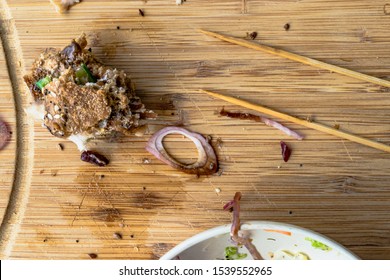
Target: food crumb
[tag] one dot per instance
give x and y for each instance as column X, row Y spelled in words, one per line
column 146, row 160
column 101, row 176
column 60, row 146
column 117, row 236
column 141, row 12
column 286, row 26
column 92, row 255
column 42, row 171
column 286, row 151
column 336, row 126
column 118, row 27
column 54, row 173
column 132, row 236
column 217, row 190
column 253, row 35
column 179, row 2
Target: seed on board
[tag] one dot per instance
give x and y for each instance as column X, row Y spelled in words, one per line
column 117, row 235
column 286, row 26
column 94, row 158
column 253, row 35
column 92, row 255
column 141, row 12
column 60, row 146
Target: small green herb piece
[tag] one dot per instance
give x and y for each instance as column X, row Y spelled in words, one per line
column 231, row 253
column 84, row 75
column 318, row 245
column 43, row 82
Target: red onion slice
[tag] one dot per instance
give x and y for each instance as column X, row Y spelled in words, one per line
column 236, row 224
column 207, row 160
column 266, row 121
column 5, row 134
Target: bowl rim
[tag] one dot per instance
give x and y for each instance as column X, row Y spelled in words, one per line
column 252, row 225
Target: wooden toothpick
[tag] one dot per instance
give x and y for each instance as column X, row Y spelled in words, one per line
column 299, row 58
column 309, row 124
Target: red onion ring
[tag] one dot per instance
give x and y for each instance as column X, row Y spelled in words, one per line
column 5, row 134
column 207, row 160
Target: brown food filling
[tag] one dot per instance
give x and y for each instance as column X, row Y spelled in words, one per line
column 105, row 106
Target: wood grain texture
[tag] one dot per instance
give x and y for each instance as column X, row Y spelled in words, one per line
column 336, row 187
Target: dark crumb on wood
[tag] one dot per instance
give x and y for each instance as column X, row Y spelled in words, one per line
column 253, row 35
column 144, row 188
column 132, row 236
column 336, row 126
column 386, row 9
column 301, row 164
column 60, row 146
column 117, row 236
column 92, row 255
column 54, row 173
column 41, row 171
column 290, row 212
column 118, row 27
column 94, row 158
column 77, row 241
column 101, row 176
column 45, row 240
column 219, row 143
column 141, row 12
column 286, row 26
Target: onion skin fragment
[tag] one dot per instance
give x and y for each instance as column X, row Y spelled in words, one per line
column 206, row 164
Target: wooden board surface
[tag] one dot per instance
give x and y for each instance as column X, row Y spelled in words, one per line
column 53, row 206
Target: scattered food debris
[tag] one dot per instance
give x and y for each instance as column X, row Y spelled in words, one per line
column 179, row 2
column 94, row 158
column 286, row 26
column 217, row 190
column 141, row 12
column 117, row 236
column 286, row 151
column 336, row 126
column 60, row 146
column 92, row 255
column 5, row 134
column 54, row 173
column 101, row 176
column 146, row 160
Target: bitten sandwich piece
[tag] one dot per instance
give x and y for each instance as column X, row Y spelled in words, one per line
column 79, row 98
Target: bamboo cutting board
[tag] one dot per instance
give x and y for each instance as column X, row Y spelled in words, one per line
column 53, row 206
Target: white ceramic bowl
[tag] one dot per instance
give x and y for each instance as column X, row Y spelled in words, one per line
column 273, row 240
